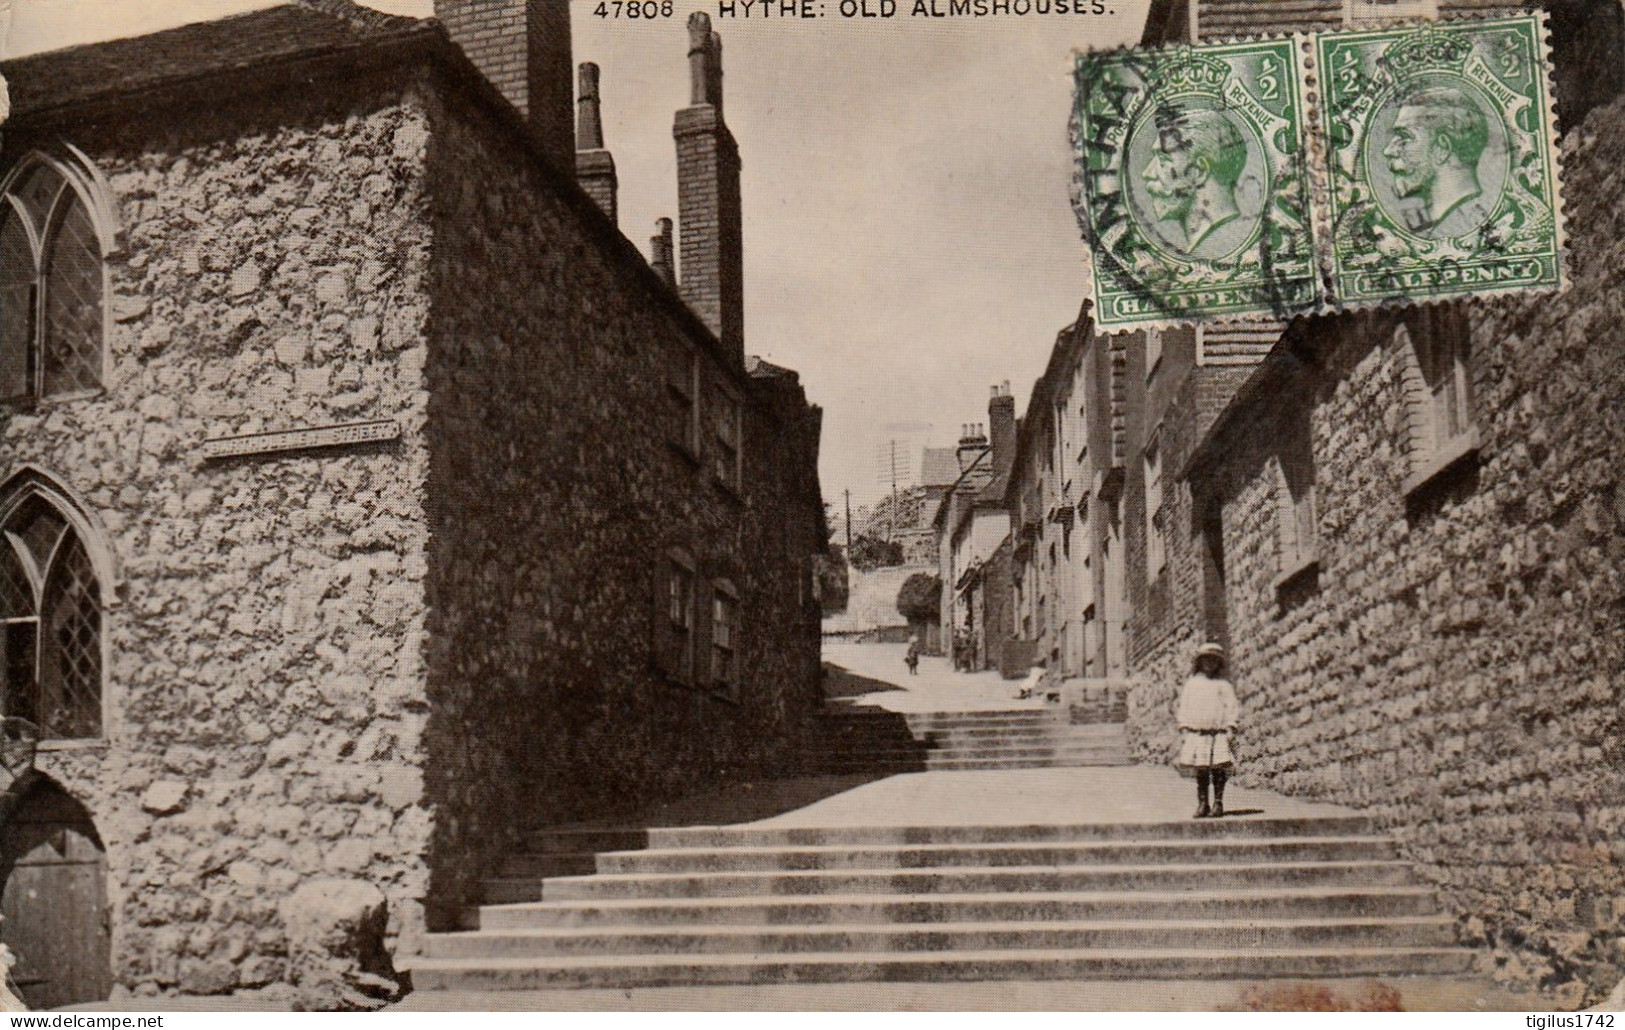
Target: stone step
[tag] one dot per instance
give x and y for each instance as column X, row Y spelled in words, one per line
column 951, row 764
column 1401, row 931
column 615, row 971
column 1069, row 906
column 1007, row 715
column 962, row 880
column 937, row 856
column 1057, row 749
column 1091, row 731
column 945, row 743
column 593, row 839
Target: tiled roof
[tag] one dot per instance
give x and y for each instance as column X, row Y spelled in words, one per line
column 63, row 78
column 1239, row 343
column 1218, row 19
column 1222, row 19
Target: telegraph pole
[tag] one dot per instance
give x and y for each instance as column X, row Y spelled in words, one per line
column 891, row 523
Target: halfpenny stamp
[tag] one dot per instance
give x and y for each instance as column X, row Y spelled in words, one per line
column 1192, row 184
column 1443, row 172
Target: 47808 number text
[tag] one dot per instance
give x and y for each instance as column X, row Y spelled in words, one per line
column 634, row 9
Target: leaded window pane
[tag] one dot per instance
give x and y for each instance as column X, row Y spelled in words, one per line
column 17, row 655
column 38, row 527
column 17, row 280
column 70, row 663
column 73, row 303
column 16, row 590
column 37, row 192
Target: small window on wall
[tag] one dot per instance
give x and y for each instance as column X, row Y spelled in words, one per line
column 725, row 639
column 675, row 624
column 1297, row 532
column 683, row 384
column 1440, row 431
column 726, row 452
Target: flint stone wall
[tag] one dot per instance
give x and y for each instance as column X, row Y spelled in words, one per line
column 1456, row 674
column 554, row 508
column 263, row 690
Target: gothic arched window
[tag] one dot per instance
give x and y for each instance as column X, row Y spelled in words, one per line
column 50, row 624
column 51, row 285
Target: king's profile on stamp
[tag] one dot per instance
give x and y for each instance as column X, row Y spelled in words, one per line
column 1198, row 159
column 1433, row 151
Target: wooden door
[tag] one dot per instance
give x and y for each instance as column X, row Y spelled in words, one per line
column 55, row 901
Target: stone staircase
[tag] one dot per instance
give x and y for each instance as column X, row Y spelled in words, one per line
column 873, row 740
column 1241, row 898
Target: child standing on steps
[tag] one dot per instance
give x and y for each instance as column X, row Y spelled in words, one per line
column 1206, row 718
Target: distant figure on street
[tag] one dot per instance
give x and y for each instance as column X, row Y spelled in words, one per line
column 1206, row 718
column 912, row 657
column 1029, row 685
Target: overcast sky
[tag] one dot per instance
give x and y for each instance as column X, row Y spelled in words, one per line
column 908, row 240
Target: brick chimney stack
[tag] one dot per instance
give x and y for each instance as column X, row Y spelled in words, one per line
column 1001, row 427
column 660, row 257
column 595, row 166
column 523, row 47
column 708, row 202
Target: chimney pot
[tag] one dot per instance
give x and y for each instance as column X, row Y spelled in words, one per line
column 660, row 257
column 589, row 118
column 699, row 59
column 714, row 73
column 595, row 166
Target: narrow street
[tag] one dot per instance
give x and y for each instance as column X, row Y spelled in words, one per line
column 1040, row 881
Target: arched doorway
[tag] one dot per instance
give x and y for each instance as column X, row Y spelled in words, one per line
column 54, row 868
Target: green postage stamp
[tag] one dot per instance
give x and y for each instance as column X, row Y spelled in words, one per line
column 1193, row 178
column 1443, row 173
column 1232, row 181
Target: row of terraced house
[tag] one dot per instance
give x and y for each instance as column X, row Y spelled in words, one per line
column 1403, row 525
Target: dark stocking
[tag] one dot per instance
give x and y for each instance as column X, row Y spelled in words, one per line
column 1201, row 787
column 1219, row 776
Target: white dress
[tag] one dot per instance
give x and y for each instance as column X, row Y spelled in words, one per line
column 1207, row 713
